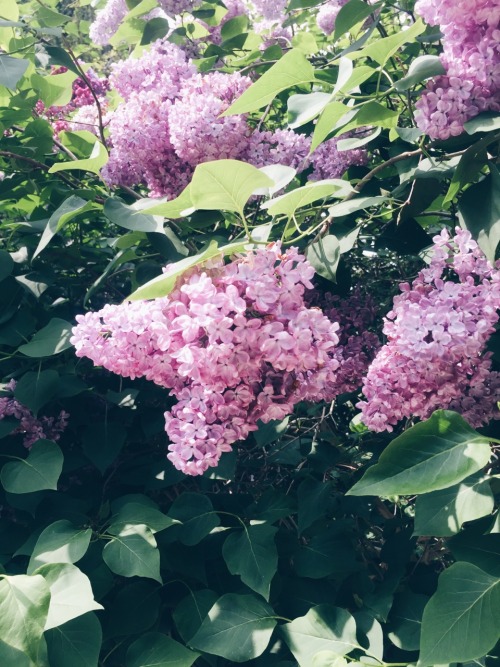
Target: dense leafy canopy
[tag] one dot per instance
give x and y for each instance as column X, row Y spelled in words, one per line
column 348, row 511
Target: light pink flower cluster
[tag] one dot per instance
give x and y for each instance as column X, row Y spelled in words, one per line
column 170, row 121
column 327, row 15
column 31, row 428
column 471, row 57
column 436, row 357
column 235, row 344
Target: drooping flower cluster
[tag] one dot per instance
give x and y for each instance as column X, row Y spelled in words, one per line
column 170, row 121
column 471, row 57
column 437, row 331
column 235, row 344
column 31, row 428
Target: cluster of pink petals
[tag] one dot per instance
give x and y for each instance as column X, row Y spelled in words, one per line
column 31, row 428
column 438, row 330
column 235, row 343
column 471, row 57
column 170, row 121
column 327, row 15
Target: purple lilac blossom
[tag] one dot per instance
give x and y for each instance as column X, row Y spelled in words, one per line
column 234, row 343
column 435, row 356
column 31, row 428
column 327, row 15
column 471, row 57
column 107, row 21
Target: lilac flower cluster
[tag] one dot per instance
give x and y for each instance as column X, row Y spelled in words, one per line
column 471, row 57
column 235, row 343
column 436, row 357
column 327, row 15
column 170, row 121
column 31, row 428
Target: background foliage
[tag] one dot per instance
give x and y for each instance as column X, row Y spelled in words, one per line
column 315, row 542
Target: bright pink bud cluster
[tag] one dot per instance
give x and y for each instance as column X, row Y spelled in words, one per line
column 436, row 357
column 235, row 343
column 471, row 57
column 31, row 428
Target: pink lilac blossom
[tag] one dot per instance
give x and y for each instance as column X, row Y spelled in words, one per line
column 107, row 21
column 327, row 15
column 31, row 428
column 438, row 329
column 170, row 121
column 176, row 7
column 234, row 343
column 471, row 57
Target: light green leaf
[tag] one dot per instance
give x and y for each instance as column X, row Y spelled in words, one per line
column 52, row 339
column 372, row 114
column 225, row 185
column 442, row 513
column 60, row 542
column 460, row 621
column 351, row 143
column 352, row 13
column 123, row 215
column 40, row 470
column 156, row 650
column 293, row 69
column 70, row 593
column 133, row 552
column 238, row 628
column 281, row 175
column 324, row 255
column 76, row 643
column 330, row 659
column 288, row 203
column 36, row 389
column 421, row 68
column 94, row 163
column 382, row 49
column 479, row 208
column 54, row 89
column 179, row 207
column 134, row 513
column 164, row 284
column 327, row 121
column 251, row 553
column 24, row 605
column 431, row 455
column 303, row 108
column 323, row 628
column 9, row 10
column 68, row 210
column 11, row 70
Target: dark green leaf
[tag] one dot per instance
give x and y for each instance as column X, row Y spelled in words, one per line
column 477, row 549
column 460, row 621
column 133, row 553
column 34, row 390
column 60, row 542
column 157, row 650
column 40, row 470
column 431, row 455
column 442, row 513
column 352, row 13
column 68, row 210
column 52, row 339
column 102, row 442
column 238, row 628
column 323, row 628
column 76, row 643
column 251, row 553
column 197, row 515
column 479, row 209
column 125, row 216
column 405, row 620
column 190, row 612
column 324, row 256
column 6, row 264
